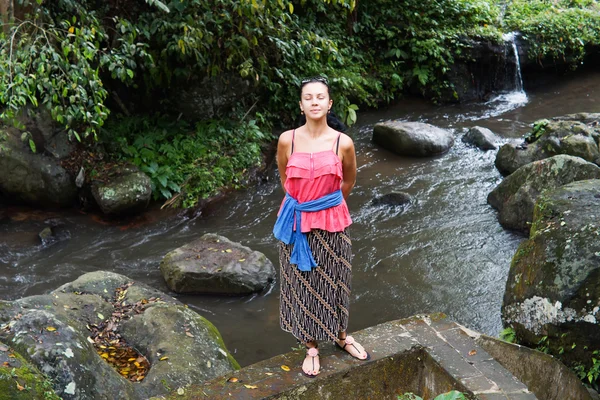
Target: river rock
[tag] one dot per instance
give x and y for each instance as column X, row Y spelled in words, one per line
column 393, row 199
column 552, row 137
column 515, row 196
column 52, row 332
column 21, row 380
column 128, row 191
column 52, row 234
column 480, row 137
column 214, row 264
column 413, row 139
column 553, row 287
column 34, row 178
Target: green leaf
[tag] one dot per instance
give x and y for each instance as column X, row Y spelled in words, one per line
column 453, row 395
column 32, row 146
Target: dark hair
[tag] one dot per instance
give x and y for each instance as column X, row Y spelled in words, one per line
column 332, row 120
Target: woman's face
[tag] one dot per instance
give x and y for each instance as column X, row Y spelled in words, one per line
column 315, row 101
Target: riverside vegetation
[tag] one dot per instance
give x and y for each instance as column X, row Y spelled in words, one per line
column 92, row 68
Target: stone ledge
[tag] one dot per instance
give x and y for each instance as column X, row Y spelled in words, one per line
column 426, row 355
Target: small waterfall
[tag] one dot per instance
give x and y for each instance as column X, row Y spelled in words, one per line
column 509, row 38
column 515, row 96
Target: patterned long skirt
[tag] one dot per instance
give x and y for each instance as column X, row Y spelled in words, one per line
column 314, row 304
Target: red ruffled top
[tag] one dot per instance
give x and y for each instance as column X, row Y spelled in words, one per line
column 313, row 175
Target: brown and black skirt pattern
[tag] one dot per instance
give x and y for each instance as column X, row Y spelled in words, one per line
column 314, row 304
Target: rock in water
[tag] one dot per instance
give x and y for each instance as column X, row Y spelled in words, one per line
column 553, row 287
column 128, row 192
column 393, row 199
column 482, row 138
column 214, row 264
column 515, row 196
column 55, row 330
column 413, row 139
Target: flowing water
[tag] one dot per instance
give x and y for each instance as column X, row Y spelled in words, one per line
column 445, row 252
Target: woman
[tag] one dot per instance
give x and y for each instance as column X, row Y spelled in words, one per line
column 317, row 165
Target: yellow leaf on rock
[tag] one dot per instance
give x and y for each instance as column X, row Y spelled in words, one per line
column 189, row 334
column 89, row 339
column 251, row 386
column 228, row 251
column 242, row 260
column 285, row 368
column 104, row 355
column 164, row 358
column 50, row 328
column 232, row 379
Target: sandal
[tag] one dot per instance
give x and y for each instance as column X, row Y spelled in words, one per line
column 349, row 340
column 311, row 352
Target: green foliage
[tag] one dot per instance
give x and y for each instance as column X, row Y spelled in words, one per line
column 538, row 130
column 453, row 395
column 508, row 335
column 195, row 162
column 556, row 29
column 590, row 375
column 54, row 60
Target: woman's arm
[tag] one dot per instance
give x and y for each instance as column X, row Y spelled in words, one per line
column 283, row 148
column 348, row 164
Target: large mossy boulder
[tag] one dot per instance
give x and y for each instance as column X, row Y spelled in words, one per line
column 126, row 191
column 515, row 196
column 576, row 135
column 36, row 179
column 55, row 333
column 412, row 139
column 214, row 264
column 552, row 295
column 20, row 380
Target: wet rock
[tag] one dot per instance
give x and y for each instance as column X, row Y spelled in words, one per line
column 552, row 137
column 413, row 139
column 20, row 380
column 515, row 196
column 34, row 178
column 194, row 348
column 214, row 264
column 52, row 234
column 553, row 287
column 393, row 199
column 128, row 191
column 482, row 138
column 53, row 332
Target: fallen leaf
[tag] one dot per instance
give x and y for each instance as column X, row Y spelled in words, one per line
column 6, row 364
column 472, row 352
column 228, row 251
column 251, row 386
column 208, row 364
column 21, row 388
column 268, row 373
column 3, row 348
column 100, row 316
column 50, row 328
column 11, row 355
column 164, row 358
column 180, row 391
column 232, row 379
column 285, row 368
column 89, row 339
column 189, row 334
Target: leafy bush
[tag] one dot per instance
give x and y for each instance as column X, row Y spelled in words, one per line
column 195, row 162
column 558, row 30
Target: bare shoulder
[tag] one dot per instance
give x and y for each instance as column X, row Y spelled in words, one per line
column 346, row 142
column 286, row 137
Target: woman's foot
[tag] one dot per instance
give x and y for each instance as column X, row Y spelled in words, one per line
column 311, row 366
column 353, row 348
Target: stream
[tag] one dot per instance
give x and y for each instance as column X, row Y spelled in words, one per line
column 444, row 252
